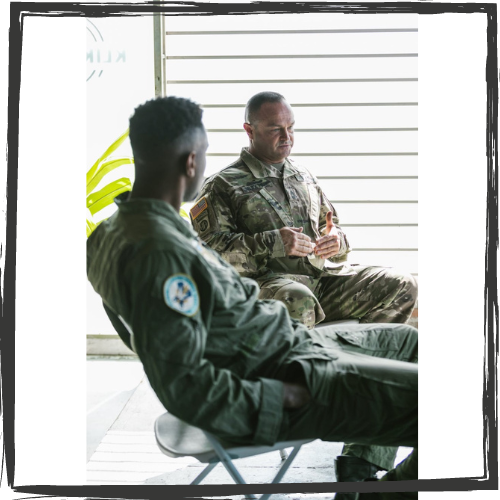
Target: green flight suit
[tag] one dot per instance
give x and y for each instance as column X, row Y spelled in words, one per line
column 216, row 355
column 239, row 213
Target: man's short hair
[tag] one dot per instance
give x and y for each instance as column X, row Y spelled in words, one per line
column 163, row 122
column 255, row 103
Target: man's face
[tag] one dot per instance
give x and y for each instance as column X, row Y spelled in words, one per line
column 271, row 133
column 193, row 187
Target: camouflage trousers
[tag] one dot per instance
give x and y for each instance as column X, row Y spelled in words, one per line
column 372, row 295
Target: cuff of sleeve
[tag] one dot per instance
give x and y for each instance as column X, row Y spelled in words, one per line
column 275, row 243
column 271, row 412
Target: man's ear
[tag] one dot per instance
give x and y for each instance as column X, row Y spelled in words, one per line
column 191, row 165
column 249, row 130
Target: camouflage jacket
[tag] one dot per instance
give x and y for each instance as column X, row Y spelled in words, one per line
column 241, row 209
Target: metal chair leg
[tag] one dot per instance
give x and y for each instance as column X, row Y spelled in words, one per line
column 204, row 473
column 228, row 463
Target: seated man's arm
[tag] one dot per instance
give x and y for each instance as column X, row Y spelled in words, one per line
column 214, row 218
column 171, row 341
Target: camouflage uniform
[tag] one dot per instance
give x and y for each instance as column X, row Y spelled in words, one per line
column 239, row 213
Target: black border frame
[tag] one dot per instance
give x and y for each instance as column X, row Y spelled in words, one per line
column 20, row 10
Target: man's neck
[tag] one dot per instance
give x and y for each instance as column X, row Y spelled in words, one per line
column 171, row 196
column 264, row 160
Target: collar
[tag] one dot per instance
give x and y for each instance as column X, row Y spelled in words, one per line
column 156, row 207
column 260, row 169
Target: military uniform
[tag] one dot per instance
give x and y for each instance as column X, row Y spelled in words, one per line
column 217, row 357
column 239, row 213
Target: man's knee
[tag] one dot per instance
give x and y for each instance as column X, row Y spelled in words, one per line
column 401, row 289
column 301, row 303
column 407, row 286
column 408, row 340
column 411, row 288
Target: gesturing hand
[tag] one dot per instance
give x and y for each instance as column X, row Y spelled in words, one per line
column 296, row 395
column 295, row 242
column 329, row 245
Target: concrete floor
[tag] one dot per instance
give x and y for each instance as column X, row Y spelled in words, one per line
column 121, row 447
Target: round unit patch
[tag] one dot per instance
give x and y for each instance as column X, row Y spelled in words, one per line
column 181, row 295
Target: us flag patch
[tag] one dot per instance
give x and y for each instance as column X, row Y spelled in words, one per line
column 199, row 208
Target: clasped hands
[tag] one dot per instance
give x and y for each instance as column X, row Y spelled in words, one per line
column 298, row 244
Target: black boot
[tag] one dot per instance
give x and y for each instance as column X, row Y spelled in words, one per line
column 354, row 469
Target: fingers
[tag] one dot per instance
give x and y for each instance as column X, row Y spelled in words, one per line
column 327, row 247
column 329, row 223
column 296, row 243
column 300, row 246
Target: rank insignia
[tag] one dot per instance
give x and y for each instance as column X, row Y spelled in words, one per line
column 200, row 207
column 181, row 295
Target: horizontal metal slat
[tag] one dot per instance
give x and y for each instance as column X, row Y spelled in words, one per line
column 181, row 69
column 291, row 80
column 330, row 154
column 409, row 129
column 369, row 118
column 344, row 44
column 291, row 21
column 356, row 92
column 315, row 143
column 382, row 238
column 388, row 249
column 379, row 225
column 293, row 56
column 280, row 32
column 376, row 190
column 367, row 177
column 339, row 201
column 374, row 213
column 337, row 166
column 316, row 104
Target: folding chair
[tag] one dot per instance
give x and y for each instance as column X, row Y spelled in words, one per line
column 177, row 439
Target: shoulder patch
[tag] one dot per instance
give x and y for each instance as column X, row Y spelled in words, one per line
column 200, row 206
column 181, row 295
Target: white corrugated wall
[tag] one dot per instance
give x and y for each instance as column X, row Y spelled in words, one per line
column 352, row 82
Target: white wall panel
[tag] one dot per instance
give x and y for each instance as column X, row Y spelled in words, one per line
column 292, row 44
column 365, row 92
column 327, row 142
column 376, row 213
column 280, row 69
column 324, row 117
column 290, row 22
column 402, row 237
column 360, row 138
column 322, row 166
column 370, row 189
